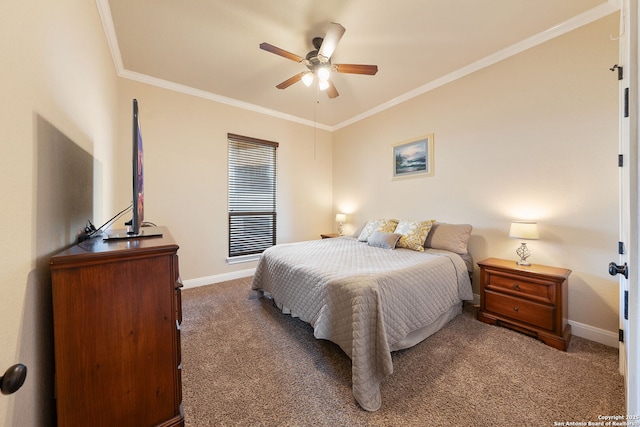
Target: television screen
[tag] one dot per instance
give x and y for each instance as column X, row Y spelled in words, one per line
column 138, row 173
column 135, row 225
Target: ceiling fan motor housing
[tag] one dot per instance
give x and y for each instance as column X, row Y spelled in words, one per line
column 313, row 61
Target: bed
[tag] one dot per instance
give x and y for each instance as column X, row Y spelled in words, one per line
column 370, row 296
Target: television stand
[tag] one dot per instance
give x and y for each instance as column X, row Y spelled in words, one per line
column 117, row 310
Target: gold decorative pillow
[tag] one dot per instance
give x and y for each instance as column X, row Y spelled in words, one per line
column 381, row 225
column 414, row 234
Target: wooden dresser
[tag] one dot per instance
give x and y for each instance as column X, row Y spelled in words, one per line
column 116, row 317
column 532, row 299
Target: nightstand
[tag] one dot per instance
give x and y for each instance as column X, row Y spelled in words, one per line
column 329, row 235
column 532, row 300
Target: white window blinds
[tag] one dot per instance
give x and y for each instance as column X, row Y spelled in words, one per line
column 252, row 195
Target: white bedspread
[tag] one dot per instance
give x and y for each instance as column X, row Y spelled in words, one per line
column 363, row 298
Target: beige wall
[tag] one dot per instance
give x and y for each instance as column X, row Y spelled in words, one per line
column 57, row 85
column 532, row 137
column 185, row 143
column 535, row 135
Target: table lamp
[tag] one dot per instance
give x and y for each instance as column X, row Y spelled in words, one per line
column 524, row 230
column 340, row 218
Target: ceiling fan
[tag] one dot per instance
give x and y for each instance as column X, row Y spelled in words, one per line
column 318, row 62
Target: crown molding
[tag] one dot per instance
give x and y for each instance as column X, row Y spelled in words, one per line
column 110, row 32
column 571, row 24
column 112, row 40
column 188, row 90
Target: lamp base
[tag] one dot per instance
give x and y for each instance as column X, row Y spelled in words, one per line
column 523, row 253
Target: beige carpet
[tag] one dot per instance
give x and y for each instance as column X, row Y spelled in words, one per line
column 245, row 363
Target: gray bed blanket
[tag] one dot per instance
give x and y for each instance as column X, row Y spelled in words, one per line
column 363, row 298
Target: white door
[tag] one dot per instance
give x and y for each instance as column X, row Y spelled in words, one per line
column 625, row 248
column 632, row 345
column 627, row 266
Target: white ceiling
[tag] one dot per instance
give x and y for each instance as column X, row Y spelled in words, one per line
column 210, row 48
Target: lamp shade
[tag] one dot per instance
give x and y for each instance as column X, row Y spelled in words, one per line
column 323, row 74
column 524, row 230
column 307, row 78
column 341, row 217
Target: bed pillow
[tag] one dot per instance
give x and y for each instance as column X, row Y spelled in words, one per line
column 414, row 234
column 381, row 225
column 383, row 240
column 357, row 231
column 450, row 237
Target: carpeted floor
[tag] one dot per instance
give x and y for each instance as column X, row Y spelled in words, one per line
column 246, row 363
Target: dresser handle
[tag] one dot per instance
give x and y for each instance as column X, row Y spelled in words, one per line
column 516, row 286
column 515, row 308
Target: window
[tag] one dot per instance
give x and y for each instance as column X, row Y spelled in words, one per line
column 252, row 195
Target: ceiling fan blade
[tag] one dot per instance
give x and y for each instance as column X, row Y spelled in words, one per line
column 356, row 69
column 332, row 92
column 331, row 39
column 291, row 80
column 271, row 48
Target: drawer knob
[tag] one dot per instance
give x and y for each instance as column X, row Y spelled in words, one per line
column 515, row 308
column 516, row 286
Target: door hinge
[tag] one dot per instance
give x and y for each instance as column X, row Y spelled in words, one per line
column 620, row 72
column 626, row 305
column 620, row 248
column 626, row 102
column 620, row 160
column 620, row 335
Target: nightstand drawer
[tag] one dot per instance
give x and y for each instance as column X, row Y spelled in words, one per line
column 540, row 290
column 525, row 311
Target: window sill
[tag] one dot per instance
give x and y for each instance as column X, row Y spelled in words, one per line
column 243, row 258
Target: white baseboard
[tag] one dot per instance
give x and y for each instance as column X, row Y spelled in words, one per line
column 581, row 330
column 202, row 281
column 594, row 334
column 476, row 299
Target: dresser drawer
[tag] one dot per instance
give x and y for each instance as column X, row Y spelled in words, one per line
column 529, row 288
column 519, row 309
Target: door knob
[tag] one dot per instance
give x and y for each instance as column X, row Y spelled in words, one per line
column 13, row 379
column 619, row 269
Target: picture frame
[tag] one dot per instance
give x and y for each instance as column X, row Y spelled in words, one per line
column 413, row 158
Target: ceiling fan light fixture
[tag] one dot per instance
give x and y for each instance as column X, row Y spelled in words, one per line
column 323, row 74
column 318, row 62
column 307, row 78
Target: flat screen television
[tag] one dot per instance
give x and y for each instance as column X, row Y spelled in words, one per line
column 135, row 225
column 138, row 174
